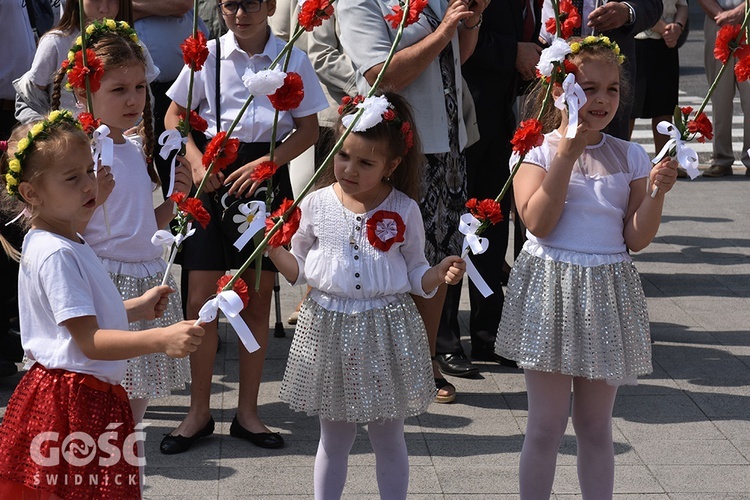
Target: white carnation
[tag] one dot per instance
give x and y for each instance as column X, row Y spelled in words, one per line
column 554, row 53
column 374, row 107
column 264, row 82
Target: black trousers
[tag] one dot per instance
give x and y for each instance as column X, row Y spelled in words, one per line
column 487, row 171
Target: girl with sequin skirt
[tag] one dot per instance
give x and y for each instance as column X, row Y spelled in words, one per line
column 120, row 230
column 360, row 351
column 575, row 313
column 68, row 431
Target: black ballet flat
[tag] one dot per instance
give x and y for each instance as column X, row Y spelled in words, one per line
column 261, row 439
column 172, row 445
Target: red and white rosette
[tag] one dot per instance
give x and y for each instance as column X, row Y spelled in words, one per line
column 468, row 227
column 384, row 229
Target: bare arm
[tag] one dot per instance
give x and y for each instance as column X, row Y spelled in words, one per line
column 177, row 340
column 644, row 212
column 146, row 8
column 284, row 262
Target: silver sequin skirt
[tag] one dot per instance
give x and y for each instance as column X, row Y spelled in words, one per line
column 359, row 367
column 152, row 375
column 576, row 320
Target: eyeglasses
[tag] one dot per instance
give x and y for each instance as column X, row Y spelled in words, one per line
column 247, row 6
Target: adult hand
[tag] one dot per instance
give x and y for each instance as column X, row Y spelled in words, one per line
column 609, row 16
column 671, row 33
column 527, row 57
column 732, row 16
column 476, row 7
column 456, row 12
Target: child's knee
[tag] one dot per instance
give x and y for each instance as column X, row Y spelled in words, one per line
column 547, row 432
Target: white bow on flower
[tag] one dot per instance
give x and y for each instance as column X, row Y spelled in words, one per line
column 468, row 227
column 386, row 229
column 574, row 98
column 263, row 82
column 231, row 305
column 104, row 147
column 163, row 237
column 171, row 140
column 254, row 213
column 373, row 107
column 685, row 155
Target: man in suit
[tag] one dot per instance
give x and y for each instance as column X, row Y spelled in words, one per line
column 620, row 21
column 506, row 54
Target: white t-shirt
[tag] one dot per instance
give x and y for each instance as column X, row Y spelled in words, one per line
column 593, row 218
column 60, row 279
column 256, row 123
column 129, row 211
column 359, row 271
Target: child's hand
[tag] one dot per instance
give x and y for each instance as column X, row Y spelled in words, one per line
column 181, row 339
column 183, row 180
column 155, row 301
column 664, row 174
column 452, row 268
column 239, row 182
column 572, row 149
column 214, row 181
column 105, row 184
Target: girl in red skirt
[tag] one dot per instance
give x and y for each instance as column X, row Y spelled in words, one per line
column 68, row 431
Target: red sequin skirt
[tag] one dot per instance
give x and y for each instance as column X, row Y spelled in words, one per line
column 68, row 435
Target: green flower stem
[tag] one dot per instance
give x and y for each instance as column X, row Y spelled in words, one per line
column 558, row 24
column 262, row 245
column 84, row 59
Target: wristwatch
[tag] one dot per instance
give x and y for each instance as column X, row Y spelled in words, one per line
column 631, row 13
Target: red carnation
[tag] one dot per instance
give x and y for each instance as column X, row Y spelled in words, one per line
column 196, row 121
column 193, row 207
column 93, row 68
column 726, row 41
column 408, row 134
column 349, row 103
column 195, row 51
column 415, row 9
column 686, row 110
column 239, row 287
column 389, row 115
column 312, row 13
column 569, row 19
column 264, row 171
column 742, row 68
column 289, row 95
column 527, row 136
column 88, row 122
column 283, row 236
column 220, row 156
column 701, row 125
column 485, row 210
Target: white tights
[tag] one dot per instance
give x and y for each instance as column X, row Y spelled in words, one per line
column 549, row 407
column 391, row 459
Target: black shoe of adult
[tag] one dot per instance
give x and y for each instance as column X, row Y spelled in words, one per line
column 172, row 445
column 457, row 365
column 492, row 356
column 262, row 439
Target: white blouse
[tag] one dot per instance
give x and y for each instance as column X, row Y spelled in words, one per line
column 336, row 257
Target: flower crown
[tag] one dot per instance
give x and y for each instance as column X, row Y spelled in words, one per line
column 376, row 110
column 41, row 129
column 73, row 65
column 591, row 41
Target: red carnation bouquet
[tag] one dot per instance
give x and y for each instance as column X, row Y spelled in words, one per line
column 312, row 13
column 192, row 208
column 195, row 50
column 239, row 287
column 290, row 215
column 220, row 153
column 290, row 94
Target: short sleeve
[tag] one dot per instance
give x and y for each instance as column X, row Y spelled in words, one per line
column 314, row 100
column 179, row 89
column 365, row 34
column 538, row 156
column 69, row 297
column 639, row 164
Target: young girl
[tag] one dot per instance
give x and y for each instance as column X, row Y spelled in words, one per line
column 74, row 331
column 218, row 94
column 360, row 351
column 34, row 90
column 120, row 231
column 575, row 313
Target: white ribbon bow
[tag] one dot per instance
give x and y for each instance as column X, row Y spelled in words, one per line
column 257, row 209
column 164, row 237
column 574, row 97
column 230, row 304
column 468, row 227
column 171, row 140
column 104, row 147
column 685, row 155
column 386, row 229
column 374, row 107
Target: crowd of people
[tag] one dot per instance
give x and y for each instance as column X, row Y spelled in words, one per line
column 378, row 243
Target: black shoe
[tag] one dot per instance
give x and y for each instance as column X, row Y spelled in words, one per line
column 171, row 445
column 457, row 365
column 262, row 439
column 492, row 356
